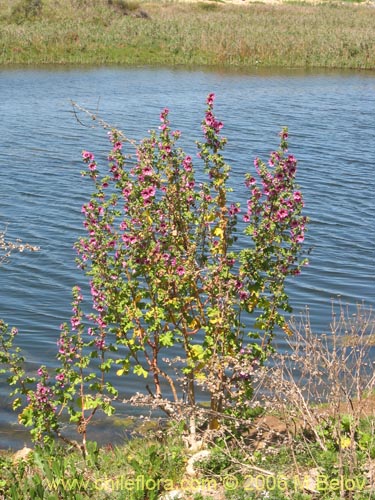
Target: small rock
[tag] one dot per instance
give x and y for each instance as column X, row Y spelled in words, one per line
column 173, row 495
column 201, row 455
column 21, row 454
column 311, row 479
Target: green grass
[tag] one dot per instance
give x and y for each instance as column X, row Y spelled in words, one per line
column 207, row 34
column 138, row 470
column 149, row 467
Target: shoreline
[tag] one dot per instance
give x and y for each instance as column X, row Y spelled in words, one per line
column 192, row 33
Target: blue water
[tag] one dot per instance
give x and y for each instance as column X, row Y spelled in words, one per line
column 331, row 121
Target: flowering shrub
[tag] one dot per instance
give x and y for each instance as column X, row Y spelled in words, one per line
column 165, row 271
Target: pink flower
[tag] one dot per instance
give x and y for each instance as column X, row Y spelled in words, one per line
column 129, row 239
column 180, row 270
column 75, row 321
column 257, row 163
column 212, row 123
column 147, row 171
column 87, row 156
column 239, row 284
column 250, row 181
column 148, row 192
column 100, row 343
column 101, row 322
column 164, row 115
column 256, row 193
column 282, row 214
column 210, row 99
column 60, row 377
column 233, row 209
column 187, row 163
column 284, row 135
column 126, row 192
column 291, row 164
column 209, row 119
column 300, row 238
column 297, row 196
column 163, row 228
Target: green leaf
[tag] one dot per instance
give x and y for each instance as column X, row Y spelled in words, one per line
column 198, row 352
column 166, row 339
column 16, row 403
column 26, row 418
column 106, row 365
column 88, row 402
column 140, row 371
column 108, row 409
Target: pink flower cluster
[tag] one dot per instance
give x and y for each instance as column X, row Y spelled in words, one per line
column 148, row 193
column 90, row 159
column 42, row 394
column 212, row 123
column 67, row 348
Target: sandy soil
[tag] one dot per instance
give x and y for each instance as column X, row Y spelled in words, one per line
column 279, row 2
column 240, row 2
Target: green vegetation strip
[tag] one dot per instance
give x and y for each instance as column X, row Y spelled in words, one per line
column 328, row 35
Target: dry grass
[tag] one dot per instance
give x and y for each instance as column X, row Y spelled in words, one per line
column 325, row 384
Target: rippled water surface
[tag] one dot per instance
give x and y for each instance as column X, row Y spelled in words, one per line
column 331, row 119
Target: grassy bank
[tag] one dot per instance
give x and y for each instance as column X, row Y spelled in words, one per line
column 159, row 467
column 117, row 32
column 310, row 440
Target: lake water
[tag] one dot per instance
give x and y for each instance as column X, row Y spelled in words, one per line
column 331, row 120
